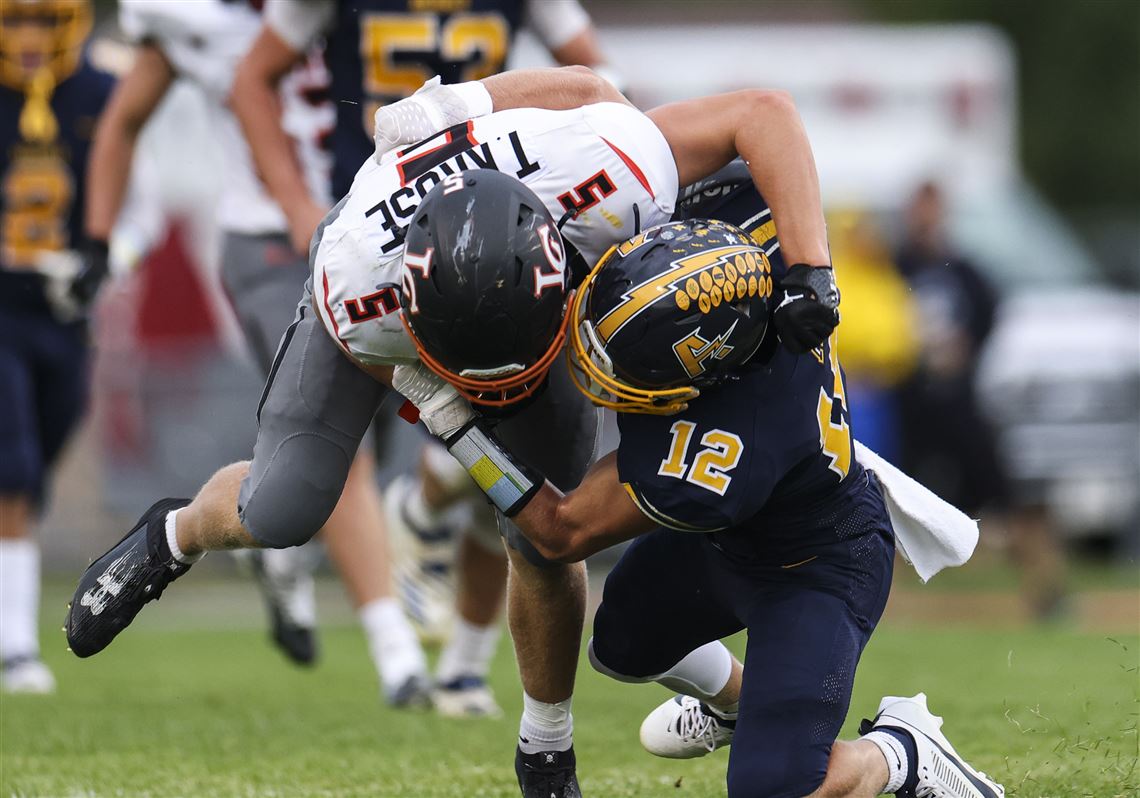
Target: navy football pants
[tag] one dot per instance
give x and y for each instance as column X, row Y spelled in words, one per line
column 807, row 624
column 43, row 392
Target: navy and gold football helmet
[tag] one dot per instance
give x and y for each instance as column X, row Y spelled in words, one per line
column 667, row 312
column 41, row 38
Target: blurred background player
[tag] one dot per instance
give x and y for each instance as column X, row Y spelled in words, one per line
column 879, row 317
column 203, row 42
column 50, row 97
column 957, row 457
column 379, row 51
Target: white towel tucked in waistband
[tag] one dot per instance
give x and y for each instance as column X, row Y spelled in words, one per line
column 930, row 533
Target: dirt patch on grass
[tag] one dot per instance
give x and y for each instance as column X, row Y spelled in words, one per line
column 1092, row 611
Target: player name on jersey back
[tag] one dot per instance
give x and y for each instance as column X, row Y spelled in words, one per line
column 449, row 152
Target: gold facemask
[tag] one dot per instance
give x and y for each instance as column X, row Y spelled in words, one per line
column 592, row 370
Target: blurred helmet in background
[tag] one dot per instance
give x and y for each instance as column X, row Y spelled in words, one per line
column 41, row 37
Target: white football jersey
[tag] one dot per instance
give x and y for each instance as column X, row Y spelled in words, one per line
column 608, row 162
column 204, row 41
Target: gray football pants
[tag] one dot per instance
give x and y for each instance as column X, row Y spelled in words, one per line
column 316, row 407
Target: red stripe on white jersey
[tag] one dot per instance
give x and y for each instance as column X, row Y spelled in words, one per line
column 332, row 316
column 632, row 167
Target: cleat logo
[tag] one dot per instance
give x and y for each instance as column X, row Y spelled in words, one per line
column 110, row 584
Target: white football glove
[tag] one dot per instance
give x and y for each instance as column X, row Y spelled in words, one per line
column 442, row 409
column 60, row 269
column 434, row 107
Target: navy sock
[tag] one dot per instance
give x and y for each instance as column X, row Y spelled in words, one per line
column 907, row 742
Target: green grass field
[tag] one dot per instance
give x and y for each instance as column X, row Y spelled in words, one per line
column 194, row 702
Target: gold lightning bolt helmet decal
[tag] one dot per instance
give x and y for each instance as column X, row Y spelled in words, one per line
column 592, row 370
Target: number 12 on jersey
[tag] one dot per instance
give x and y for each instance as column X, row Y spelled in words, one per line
column 710, row 467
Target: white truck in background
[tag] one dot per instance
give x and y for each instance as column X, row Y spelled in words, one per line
column 888, row 107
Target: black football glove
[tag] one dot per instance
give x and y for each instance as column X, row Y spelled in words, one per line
column 92, row 272
column 810, row 308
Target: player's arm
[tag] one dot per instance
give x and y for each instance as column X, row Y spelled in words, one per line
column 599, row 513
column 555, row 89
column 109, row 164
column 567, row 32
column 764, row 128
column 435, row 107
column 564, row 527
column 257, row 105
column 112, row 150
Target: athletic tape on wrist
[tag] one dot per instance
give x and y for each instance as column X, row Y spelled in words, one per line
column 508, row 484
column 475, row 97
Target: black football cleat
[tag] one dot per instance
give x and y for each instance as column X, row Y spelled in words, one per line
column 116, row 586
column 547, row 774
column 287, row 597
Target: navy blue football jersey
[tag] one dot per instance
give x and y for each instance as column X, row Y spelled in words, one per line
column 730, row 196
column 761, row 452
column 380, row 51
column 748, row 452
column 42, row 178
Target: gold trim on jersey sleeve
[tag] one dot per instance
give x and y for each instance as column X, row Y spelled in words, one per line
column 664, row 519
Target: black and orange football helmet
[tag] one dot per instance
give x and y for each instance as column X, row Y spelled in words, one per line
column 485, row 286
column 667, row 312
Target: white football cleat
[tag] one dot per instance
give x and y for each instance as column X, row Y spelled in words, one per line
column 27, row 675
column 423, row 566
column 681, row 728
column 466, row 697
column 942, row 773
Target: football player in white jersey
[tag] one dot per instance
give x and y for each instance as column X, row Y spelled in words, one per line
column 603, row 171
column 379, row 51
column 203, row 42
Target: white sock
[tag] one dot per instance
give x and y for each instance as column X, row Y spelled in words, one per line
column 172, row 540
column 468, row 652
column 19, row 597
column 418, row 511
column 545, row 727
column 895, row 754
column 702, row 673
column 395, row 650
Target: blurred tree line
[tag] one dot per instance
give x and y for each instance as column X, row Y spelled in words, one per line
column 1079, row 84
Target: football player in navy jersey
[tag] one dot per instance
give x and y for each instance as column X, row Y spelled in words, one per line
column 737, row 480
column 50, row 97
column 378, row 52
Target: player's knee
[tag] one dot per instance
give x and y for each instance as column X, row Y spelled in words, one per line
column 618, row 651
column 282, row 505
column 612, row 671
column 282, row 528
column 775, row 777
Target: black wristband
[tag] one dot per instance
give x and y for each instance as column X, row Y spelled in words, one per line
column 819, row 280
column 508, row 483
column 97, row 247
